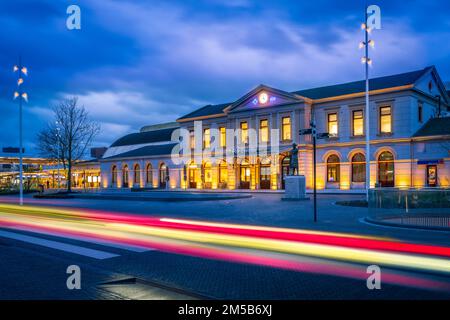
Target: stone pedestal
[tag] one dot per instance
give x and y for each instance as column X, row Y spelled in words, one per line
column 295, row 188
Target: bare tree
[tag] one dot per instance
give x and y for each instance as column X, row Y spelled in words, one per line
column 69, row 136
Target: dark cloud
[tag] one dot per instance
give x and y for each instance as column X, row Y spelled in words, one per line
column 140, row 62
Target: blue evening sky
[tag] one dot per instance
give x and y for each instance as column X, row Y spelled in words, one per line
column 135, row 63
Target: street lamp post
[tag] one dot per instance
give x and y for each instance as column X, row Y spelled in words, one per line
column 58, row 147
column 367, row 62
column 22, row 96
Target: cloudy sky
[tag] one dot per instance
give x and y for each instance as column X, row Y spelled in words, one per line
column 135, row 63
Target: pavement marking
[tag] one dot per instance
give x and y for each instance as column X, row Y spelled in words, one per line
column 112, row 244
column 107, row 243
column 96, row 254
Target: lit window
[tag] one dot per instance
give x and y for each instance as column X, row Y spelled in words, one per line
column 358, row 123
column 332, row 124
column 264, row 131
column 192, row 139
column 333, row 168
column 244, row 132
column 385, row 120
column 206, row 138
column 358, row 168
column 286, row 128
column 223, row 136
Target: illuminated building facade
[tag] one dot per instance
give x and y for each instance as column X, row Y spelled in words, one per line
column 409, row 139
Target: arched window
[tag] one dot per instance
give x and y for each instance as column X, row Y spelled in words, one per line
column 386, row 169
column 333, row 168
column 137, row 174
column 223, row 173
column 125, row 176
column 358, row 168
column 148, row 174
column 245, row 175
column 207, row 175
column 264, row 173
column 163, row 175
column 114, row 176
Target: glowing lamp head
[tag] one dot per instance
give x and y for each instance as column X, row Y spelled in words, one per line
column 263, row 98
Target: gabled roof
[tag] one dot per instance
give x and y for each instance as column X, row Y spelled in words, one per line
column 144, row 137
column 434, row 127
column 360, row 86
column 154, row 150
column 258, row 89
column 398, row 80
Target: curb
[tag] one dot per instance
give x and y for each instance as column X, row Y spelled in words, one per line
column 406, row 226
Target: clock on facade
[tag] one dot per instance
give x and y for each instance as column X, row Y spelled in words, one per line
column 263, row 98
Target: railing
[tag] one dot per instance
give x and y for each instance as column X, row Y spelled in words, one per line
column 427, row 207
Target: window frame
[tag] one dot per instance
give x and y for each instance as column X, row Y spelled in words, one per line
column 354, row 163
column 380, row 108
column 336, row 165
column 283, row 129
column 353, row 112
column 242, row 135
column 192, row 139
column 206, row 141
column 336, row 113
column 222, row 136
column 261, row 128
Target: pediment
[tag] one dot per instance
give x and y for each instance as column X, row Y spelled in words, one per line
column 263, row 97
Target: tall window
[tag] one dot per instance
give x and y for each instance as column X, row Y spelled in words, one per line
column 223, row 173
column 114, row 175
column 264, row 130
column 333, row 166
column 163, row 175
column 358, row 123
column 137, row 174
column 206, row 138
column 223, row 136
column 332, row 124
column 192, row 139
column 420, row 112
column 244, row 132
column 125, row 176
column 358, row 168
column 286, row 128
column 385, row 119
column 386, row 169
column 149, row 175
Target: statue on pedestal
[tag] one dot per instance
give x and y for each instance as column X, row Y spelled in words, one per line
column 293, row 164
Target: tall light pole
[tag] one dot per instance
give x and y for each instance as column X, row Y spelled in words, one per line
column 59, row 152
column 22, row 96
column 367, row 62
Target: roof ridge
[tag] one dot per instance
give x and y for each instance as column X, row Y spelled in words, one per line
column 376, row 78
